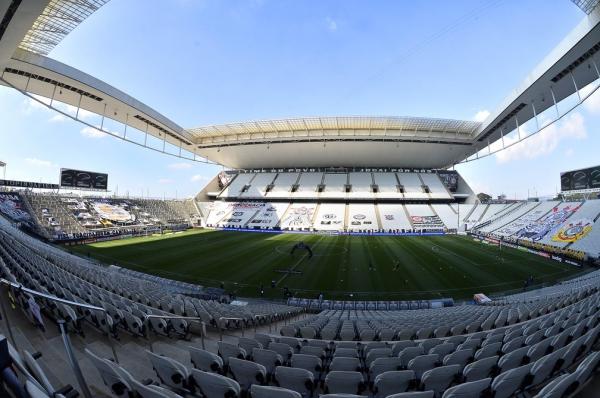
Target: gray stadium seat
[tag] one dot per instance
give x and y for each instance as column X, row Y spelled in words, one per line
column 506, row 384
column 340, row 382
column 480, row 369
column 461, row 357
column 267, row 358
column 309, row 362
column 205, row 360
column 152, row 391
column 422, row 363
column 227, row 350
column 408, row 353
column 113, row 376
column 439, row 379
column 345, row 364
column 393, row 382
column 381, row 365
column 258, row 391
column 213, row 385
column 299, row 380
column 557, row 387
column 473, row 389
column 413, row 394
column 247, row 373
column 170, row 372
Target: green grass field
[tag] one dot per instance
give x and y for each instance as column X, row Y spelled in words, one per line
column 404, row 267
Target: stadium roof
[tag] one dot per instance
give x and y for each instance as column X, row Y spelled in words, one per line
column 335, row 127
column 586, row 5
column 29, row 29
column 57, row 20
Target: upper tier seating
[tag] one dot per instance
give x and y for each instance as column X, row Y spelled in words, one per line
column 308, row 185
column 338, row 185
column 387, row 185
column 437, row 190
column 413, row 186
column 258, row 186
column 235, row 187
column 335, row 186
column 282, row 185
column 361, row 184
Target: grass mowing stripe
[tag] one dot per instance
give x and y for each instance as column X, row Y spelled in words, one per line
column 245, row 261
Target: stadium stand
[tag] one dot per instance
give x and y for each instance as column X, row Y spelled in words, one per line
column 330, row 217
column 361, row 185
column 436, row 188
column 236, row 186
column 282, row 186
column 387, row 186
column 334, row 186
column 308, row 184
column 238, row 214
column 259, row 186
column 447, row 214
column 70, row 217
column 362, row 217
column 394, row 218
column 546, row 338
column 268, row 216
column 412, row 186
column 424, row 218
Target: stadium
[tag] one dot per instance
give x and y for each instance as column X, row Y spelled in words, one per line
column 325, row 256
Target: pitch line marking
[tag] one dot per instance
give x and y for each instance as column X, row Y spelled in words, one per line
column 293, row 268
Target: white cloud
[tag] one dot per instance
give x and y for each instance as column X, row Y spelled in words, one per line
column 571, row 127
column 39, row 162
column 569, row 152
column 58, row 118
column 165, row 181
column 481, row 115
column 31, row 105
column 179, row 166
column 199, row 178
column 90, row 132
column 592, row 104
column 72, row 110
column 331, row 24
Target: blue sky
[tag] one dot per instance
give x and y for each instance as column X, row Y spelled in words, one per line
column 202, row 62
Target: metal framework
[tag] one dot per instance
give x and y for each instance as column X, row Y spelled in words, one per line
column 486, row 151
column 51, row 105
column 586, row 5
column 59, row 18
column 357, row 126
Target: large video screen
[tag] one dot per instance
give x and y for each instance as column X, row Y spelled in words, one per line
column 79, row 179
column 580, row 179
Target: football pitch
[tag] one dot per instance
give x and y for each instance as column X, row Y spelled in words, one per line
column 342, row 267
